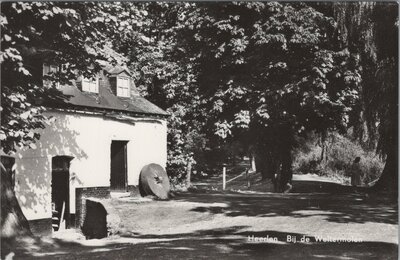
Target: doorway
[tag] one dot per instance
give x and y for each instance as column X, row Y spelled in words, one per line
column 118, row 179
column 60, row 192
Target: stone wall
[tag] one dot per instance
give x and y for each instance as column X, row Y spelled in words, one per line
column 81, row 195
column 101, row 219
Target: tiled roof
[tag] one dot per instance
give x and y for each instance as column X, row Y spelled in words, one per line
column 72, row 97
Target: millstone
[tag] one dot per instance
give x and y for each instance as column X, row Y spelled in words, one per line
column 155, row 181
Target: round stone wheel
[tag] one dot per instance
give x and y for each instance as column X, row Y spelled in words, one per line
column 154, row 181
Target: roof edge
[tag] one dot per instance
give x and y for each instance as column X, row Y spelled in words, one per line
column 77, row 108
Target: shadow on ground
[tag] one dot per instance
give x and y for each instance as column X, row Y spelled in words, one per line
column 224, row 244
column 341, row 204
column 337, row 204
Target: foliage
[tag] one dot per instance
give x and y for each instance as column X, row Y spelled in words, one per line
column 81, row 35
column 370, row 31
column 266, row 72
column 69, row 33
column 336, row 162
column 231, row 61
column 261, row 74
column 164, row 75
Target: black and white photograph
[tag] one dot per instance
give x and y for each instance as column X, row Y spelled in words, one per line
column 199, row 130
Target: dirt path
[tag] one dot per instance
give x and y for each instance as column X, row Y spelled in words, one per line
column 212, row 224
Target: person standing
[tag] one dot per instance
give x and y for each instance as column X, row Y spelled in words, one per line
column 356, row 172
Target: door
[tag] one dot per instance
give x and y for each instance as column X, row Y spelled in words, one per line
column 118, row 178
column 60, row 192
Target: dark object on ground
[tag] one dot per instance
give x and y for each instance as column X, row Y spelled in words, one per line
column 154, row 181
column 95, row 224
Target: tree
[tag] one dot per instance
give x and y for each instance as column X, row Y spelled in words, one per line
column 370, row 32
column 267, row 72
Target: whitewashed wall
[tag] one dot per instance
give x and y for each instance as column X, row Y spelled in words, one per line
column 87, row 138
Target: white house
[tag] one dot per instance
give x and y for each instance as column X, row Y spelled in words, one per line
column 101, row 134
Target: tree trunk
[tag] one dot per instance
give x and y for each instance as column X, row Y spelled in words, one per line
column 388, row 181
column 260, row 164
column 13, row 221
column 266, row 164
column 286, row 171
column 324, row 147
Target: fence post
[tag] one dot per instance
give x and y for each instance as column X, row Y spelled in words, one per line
column 223, row 177
column 247, row 178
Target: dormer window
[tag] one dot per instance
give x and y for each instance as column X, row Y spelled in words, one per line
column 120, row 80
column 123, row 87
column 50, row 70
column 90, row 85
column 53, row 69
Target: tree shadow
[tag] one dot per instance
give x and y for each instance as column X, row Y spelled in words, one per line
column 34, row 169
column 224, row 243
column 337, row 204
column 233, row 242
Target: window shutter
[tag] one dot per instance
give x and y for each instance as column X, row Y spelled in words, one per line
column 123, row 87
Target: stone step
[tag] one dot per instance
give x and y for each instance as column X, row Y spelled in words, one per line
column 115, row 194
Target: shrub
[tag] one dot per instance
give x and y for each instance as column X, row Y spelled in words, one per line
column 339, row 154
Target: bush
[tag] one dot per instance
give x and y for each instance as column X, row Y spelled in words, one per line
column 340, row 152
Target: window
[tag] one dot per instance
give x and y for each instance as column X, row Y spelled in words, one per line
column 50, row 70
column 123, row 87
column 90, row 85
column 53, row 69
